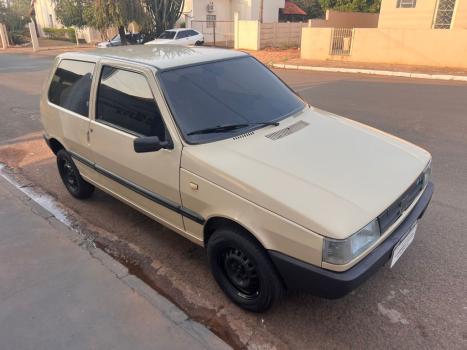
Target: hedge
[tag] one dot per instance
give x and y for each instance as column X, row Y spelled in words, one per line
column 60, row 33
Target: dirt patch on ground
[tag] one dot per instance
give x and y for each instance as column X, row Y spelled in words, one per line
column 272, row 55
column 21, row 154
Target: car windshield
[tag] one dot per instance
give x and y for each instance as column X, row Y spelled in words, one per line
column 167, row 35
column 225, row 93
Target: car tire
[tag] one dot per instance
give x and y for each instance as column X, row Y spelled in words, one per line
column 199, row 43
column 243, row 269
column 71, row 178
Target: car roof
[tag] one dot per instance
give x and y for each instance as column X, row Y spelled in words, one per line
column 159, row 56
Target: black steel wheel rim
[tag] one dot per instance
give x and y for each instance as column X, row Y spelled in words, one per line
column 69, row 176
column 241, row 272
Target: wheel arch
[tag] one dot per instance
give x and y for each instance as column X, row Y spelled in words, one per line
column 219, row 221
column 55, row 145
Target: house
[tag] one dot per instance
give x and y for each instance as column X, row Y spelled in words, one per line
column 423, row 14
column 45, row 15
column 412, row 32
column 291, row 13
column 223, row 10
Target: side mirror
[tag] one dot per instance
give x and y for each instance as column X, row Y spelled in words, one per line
column 149, row 144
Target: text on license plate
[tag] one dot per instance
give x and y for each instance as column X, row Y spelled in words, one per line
column 403, row 244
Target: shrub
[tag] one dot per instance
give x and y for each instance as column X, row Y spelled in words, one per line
column 60, row 34
column 19, row 37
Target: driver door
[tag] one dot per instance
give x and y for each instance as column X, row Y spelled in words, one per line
column 126, row 107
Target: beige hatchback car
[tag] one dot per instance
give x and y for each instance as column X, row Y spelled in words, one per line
column 213, row 145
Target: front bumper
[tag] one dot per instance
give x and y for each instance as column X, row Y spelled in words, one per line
column 299, row 275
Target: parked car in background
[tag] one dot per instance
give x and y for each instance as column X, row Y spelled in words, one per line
column 131, row 38
column 210, row 143
column 180, row 36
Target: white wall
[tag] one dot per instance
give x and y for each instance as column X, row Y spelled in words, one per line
column 270, row 10
column 225, row 9
column 45, row 15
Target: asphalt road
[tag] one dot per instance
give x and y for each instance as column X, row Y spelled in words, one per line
column 420, row 303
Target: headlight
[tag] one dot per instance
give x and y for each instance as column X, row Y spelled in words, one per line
column 342, row 251
column 427, row 174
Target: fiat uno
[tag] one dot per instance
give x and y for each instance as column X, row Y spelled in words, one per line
column 213, row 145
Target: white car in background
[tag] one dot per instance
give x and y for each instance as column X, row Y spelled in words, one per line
column 180, row 36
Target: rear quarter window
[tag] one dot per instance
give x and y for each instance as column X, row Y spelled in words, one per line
column 71, row 86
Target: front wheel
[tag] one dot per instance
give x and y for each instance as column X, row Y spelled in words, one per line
column 243, row 270
column 71, row 178
column 199, row 43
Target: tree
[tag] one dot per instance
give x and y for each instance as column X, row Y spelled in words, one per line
column 311, row 7
column 163, row 13
column 352, row 5
column 119, row 13
column 15, row 15
column 72, row 12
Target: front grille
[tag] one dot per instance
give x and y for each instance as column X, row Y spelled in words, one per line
column 395, row 210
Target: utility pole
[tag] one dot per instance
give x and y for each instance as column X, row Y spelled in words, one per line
column 261, row 3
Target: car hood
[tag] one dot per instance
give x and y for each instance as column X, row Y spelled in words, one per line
column 328, row 174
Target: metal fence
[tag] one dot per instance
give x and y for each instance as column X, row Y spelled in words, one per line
column 341, row 41
column 216, row 33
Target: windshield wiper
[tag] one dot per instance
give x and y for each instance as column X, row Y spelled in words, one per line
column 228, row 127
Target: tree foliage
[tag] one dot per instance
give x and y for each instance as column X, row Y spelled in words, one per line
column 351, row 5
column 15, row 16
column 152, row 16
column 164, row 13
column 311, row 7
column 72, row 12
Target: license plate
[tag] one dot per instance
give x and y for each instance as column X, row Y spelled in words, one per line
column 403, row 244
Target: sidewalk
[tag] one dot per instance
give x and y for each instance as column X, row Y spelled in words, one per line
column 290, row 59
column 58, row 293
column 45, row 51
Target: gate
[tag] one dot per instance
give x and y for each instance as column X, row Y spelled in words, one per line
column 341, row 41
column 216, row 33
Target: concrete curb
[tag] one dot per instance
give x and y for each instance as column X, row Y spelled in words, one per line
column 197, row 330
column 372, row 72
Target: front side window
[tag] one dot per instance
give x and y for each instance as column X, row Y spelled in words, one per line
column 168, row 34
column 182, row 34
column 234, row 91
column 71, row 86
column 125, row 101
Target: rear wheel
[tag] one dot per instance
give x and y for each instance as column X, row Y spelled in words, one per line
column 243, row 270
column 71, row 178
